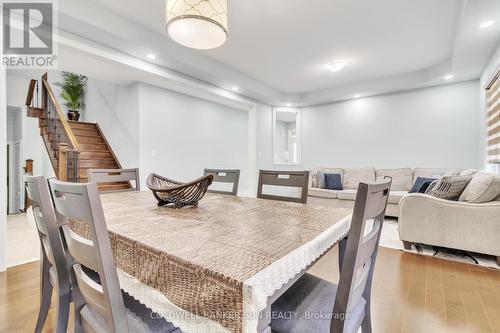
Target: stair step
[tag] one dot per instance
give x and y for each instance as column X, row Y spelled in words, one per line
column 35, row 112
column 93, row 147
column 81, row 125
column 113, row 187
column 97, row 164
column 95, row 154
column 83, row 139
column 85, row 132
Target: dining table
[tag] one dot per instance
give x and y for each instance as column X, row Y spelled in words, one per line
column 219, row 265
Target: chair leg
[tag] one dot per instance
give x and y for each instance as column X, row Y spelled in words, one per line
column 498, row 260
column 45, row 294
column 78, row 304
column 366, row 325
column 63, row 313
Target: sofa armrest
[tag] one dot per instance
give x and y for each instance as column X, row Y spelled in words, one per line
column 454, row 224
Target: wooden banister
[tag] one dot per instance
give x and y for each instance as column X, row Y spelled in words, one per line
column 31, row 91
column 60, row 114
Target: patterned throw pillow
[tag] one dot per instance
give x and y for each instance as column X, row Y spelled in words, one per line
column 321, row 179
column 450, row 187
column 431, row 186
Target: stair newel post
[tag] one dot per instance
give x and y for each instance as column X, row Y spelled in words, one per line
column 63, row 162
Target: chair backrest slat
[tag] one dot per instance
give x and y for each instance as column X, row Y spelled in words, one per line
column 103, row 176
column 297, row 179
column 48, row 230
column 224, row 176
column 82, row 202
column 92, row 291
column 361, row 251
column 81, row 249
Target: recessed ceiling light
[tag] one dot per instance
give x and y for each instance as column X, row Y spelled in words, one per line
column 449, row 77
column 336, row 66
column 288, row 104
column 357, row 96
column 150, row 56
column 235, row 88
column 486, row 24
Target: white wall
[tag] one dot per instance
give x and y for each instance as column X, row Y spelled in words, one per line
column 14, row 126
column 116, row 108
column 180, row 135
column 433, row 127
column 3, row 168
column 489, row 71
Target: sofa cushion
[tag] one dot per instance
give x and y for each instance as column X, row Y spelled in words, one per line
column 450, row 187
column 427, row 173
column 421, row 184
column 468, row 172
column 353, row 176
column 321, row 179
column 322, row 193
column 347, row 194
column 452, row 172
column 402, row 179
column 395, row 196
column 333, row 181
column 313, row 174
column 483, row 187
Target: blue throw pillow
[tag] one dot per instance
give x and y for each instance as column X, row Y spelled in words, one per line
column 333, row 181
column 421, row 184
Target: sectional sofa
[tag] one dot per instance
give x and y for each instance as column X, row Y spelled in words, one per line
column 402, row 181
column 467, row 226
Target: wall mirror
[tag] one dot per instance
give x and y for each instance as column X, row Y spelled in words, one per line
column 286, row 136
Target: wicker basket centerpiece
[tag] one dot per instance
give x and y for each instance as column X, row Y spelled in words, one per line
column 168, row 191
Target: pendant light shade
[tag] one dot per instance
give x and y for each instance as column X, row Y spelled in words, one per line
column 198, row 24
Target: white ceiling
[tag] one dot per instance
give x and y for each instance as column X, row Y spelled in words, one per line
column 286, row 43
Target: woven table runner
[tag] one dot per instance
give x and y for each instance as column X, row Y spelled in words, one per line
column 219, row 260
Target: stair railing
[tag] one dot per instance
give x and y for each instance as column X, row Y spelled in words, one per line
column 63, row 142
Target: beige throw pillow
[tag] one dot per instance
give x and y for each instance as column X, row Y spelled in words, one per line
column 450, row 187
column 483, row 187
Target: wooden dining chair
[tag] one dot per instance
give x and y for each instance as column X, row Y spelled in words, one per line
column 107, row 178
column 98, row 301
column 348, row 303
column 286, row 179
column 53, row 266
column 224, row 176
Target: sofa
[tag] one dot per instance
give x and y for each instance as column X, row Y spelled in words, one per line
column 473, row 227
column 402, row 181
column 422, row 218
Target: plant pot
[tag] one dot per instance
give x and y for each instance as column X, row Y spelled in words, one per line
column 73, row 115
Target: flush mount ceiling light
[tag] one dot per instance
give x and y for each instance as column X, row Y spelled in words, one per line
column 449, row 77
column 235, row 88
column 198, row 24
column 486, row 24
column 336, row 66
column 151, row 56
column 357, row 96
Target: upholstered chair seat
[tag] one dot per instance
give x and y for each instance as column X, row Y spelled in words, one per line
column 139, row 318
column 312, row 300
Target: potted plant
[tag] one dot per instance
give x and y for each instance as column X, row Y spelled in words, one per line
column 73, row 87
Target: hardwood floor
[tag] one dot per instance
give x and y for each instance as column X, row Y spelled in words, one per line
column 411, row 293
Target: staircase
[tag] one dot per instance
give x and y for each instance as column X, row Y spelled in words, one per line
column 74, row 147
